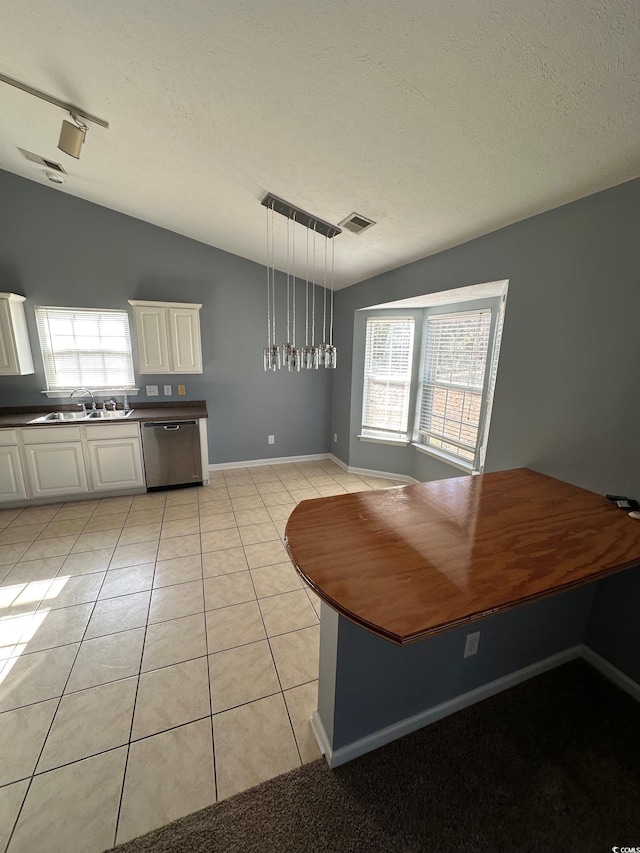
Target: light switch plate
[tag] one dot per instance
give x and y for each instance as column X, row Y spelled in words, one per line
column 152, row 390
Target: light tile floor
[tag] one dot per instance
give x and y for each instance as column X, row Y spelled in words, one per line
column 158, row 652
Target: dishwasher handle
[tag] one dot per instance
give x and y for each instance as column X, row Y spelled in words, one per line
column 169, row 424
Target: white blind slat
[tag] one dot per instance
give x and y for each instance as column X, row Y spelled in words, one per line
column 87, row 347
column 387, row 376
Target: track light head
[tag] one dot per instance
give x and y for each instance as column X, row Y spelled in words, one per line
column 72, row 137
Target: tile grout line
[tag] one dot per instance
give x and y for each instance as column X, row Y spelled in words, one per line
column 206, row 645
column 135, row 698
column 284, row 701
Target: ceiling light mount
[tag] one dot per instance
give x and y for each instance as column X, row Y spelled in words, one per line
column 300, row 216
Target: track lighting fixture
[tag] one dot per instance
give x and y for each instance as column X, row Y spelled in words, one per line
column 72, row 136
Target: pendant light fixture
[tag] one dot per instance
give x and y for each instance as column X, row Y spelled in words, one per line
column 288, row 354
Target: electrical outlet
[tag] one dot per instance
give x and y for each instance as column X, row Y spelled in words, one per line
column 152, row 390
column 271, row 439
column 471, row 644
column 167, row 391
column 335, row 438
column 182, row 390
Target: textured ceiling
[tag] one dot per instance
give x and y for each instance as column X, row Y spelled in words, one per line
column 440, row 121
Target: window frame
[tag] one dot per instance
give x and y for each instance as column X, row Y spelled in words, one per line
column 47, row 352
column 395, row 437
column 496, row 305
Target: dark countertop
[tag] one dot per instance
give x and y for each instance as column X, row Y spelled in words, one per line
column 187, row 410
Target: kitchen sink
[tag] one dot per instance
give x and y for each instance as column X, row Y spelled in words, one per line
column 74, row 417
column 102, row 415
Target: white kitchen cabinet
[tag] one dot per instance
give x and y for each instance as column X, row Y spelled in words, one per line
column 168, row 336
column 56, row 469
column 12, row 487
column 115, row 457
column 54, row 461
column 15, row 351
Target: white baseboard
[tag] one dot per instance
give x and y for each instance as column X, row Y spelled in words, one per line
column 390, row 733
column 611, row 672
column 339, row 462
column 317, row 727
column 368, row 472
column 277, row 460
column 314, row 457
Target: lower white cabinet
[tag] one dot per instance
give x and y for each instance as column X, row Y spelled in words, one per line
column 56, row 469
column 52, row 461
column 12, row 486
column 115, row 463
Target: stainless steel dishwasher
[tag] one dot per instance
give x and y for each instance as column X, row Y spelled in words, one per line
column 172, row 453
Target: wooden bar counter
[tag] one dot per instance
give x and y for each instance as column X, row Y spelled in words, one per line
column 412, row 561
column 513, row 553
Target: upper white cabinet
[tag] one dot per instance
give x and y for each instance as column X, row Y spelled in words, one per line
column 15, row 352
column 168, row 336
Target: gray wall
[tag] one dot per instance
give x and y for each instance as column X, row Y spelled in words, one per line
column 58, row 250
column 567, row 400
column 613, row 627
column 378, row 683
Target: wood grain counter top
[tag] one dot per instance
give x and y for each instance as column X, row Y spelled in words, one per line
column 412, row 561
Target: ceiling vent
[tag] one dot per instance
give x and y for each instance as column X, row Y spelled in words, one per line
column 357, row 223
column 42, row 161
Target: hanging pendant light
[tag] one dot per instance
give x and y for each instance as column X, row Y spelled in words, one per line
column 288, row 355
column 271, row 353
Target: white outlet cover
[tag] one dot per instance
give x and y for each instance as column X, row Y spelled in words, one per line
column 167, row 390
column 152, row 390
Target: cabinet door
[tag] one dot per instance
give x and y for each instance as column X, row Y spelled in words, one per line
column 184, row 335
column 11, row 478
column 56, row 469
column 15, row 352
column 115, row 464
column 151, row 334
column 8, row 354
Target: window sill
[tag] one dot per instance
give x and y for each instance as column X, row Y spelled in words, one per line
column 101, row 392
column 467, row 467
column 396, row 442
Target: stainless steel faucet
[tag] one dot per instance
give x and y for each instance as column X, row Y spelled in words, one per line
column 86, row 391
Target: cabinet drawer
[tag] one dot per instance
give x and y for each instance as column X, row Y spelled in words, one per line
column 7, row 437
column 47, row 435
column 100, row 431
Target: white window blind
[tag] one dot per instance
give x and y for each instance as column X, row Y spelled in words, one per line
column 387, row 377
column 455, row 360
column 85, row 347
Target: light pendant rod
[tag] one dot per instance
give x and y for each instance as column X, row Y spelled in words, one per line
column 301, row 216
column 333, row 261
column 70, row 108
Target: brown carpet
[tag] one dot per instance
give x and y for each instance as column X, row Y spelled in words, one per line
column 550, row 765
